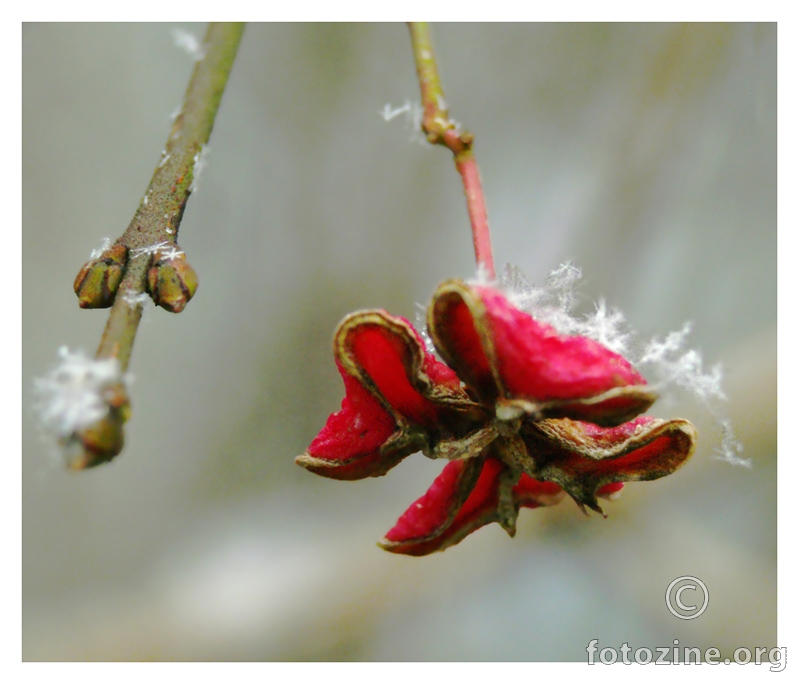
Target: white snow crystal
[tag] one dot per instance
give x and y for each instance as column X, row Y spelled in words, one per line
column 71, row 397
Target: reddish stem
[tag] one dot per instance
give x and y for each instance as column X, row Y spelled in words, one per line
column 441, row 130
column 476, row 206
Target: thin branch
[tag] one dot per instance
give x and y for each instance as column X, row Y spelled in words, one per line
column 441, row 130
column 146, row 260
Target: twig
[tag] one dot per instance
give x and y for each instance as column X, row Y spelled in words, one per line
column 441, row 130
column 146, row 259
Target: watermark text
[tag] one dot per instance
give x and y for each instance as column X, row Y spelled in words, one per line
column 776, row 656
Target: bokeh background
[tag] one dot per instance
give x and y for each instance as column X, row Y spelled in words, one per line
column 644, row 153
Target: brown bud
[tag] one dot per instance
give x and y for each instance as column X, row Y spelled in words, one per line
column 103, row 440
column 171, row 281
column 97, row 282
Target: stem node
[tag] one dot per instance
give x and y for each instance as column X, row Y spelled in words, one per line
column 439, row 129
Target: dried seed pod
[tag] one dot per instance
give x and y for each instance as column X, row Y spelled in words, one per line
column 171, row 281
column 98, row 280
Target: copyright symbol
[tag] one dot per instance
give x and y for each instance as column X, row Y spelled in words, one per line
column 677, row 604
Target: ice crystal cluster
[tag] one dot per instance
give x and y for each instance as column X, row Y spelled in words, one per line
column 98, row 252
column 412, row 113
column 668, row 360
column 200, row 163
column 71, row 397
column 190, row 43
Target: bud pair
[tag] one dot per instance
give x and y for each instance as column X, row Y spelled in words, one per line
column 171, row 281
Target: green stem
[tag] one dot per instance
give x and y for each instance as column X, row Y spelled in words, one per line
column 441, row 130
column 154, row 229
column 160, row 212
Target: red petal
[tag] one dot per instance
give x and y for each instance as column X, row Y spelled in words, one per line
column 610, row 491
column 536, row 362
column 431, row 524
column 536, row 493
column 463, row 345
column 500, row 351
column 388, row 351
column 348, row 447
column 610, row 408
column 394, row 388
column 582, row 457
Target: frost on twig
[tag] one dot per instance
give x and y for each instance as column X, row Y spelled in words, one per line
column 200, row 163
column 412, row 113
column 134, row 299
column 83, row 403
column 98, row 252
column 482, row 276
column 190, row 43
column 79, row 395
column 164, row 249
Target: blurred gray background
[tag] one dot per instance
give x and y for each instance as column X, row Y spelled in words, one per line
column 645, row 153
